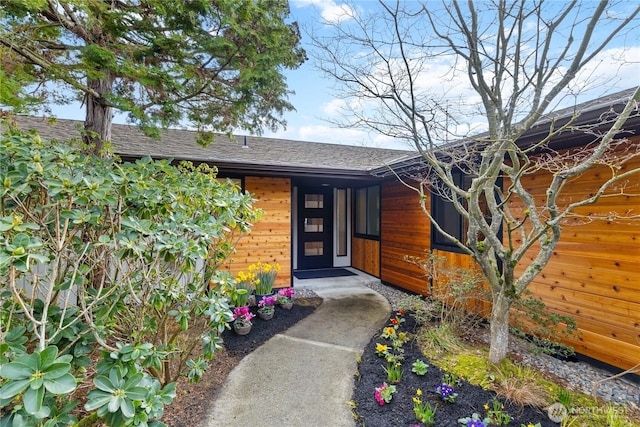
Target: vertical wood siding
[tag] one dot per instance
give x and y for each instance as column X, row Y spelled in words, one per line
column 405, row 231
column 365, row 255
column 270, row 237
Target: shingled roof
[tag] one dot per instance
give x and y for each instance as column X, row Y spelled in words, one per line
column 237, row 153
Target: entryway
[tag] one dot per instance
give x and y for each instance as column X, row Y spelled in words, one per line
column 322, row 229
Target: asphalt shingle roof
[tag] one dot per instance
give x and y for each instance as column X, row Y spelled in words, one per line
column 179, row 144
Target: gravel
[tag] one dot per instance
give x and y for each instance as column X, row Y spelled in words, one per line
column 579, row 376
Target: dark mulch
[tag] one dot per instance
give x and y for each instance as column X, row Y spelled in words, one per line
column 194, row 400
column 399, row 412
column 262, row 330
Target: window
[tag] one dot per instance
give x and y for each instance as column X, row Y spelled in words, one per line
column 445, row 214
column 341, row 222
column 368, row 212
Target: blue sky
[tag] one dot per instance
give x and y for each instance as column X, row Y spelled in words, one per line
column 315, row 100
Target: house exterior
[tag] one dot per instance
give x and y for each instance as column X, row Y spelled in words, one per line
column 330, row 205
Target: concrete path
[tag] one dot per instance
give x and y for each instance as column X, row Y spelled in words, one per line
column 304, row 377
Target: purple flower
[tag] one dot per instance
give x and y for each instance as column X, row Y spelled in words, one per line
column 445, row 390
column 475, row 423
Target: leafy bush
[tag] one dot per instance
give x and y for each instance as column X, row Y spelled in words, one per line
column 118, row 259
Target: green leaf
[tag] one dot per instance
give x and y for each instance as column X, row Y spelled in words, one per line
column 136, row 393
column 97, row 399
column 32, row 400
column 104, row 383
column 56, row 370
column 127, row 408
column 114, row 403
column 62, row 385
column 47, row 356
column 13, row 388
column 16, row 371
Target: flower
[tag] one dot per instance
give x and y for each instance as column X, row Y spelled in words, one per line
column 285, row 295
column 474, row 421
column 384, row 393
column 446, row 392
column 381, row 349
column 266, row 304
column 265, row 274
column 242, row 316
column 388, row 332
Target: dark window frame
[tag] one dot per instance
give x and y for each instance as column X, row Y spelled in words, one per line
column 441, row 208
column 368, row 220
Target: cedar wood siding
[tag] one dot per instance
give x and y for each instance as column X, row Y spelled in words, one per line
column 270, row 237
column 593, row 276
column 405, row 231
column 365, row 255
column 594, row 273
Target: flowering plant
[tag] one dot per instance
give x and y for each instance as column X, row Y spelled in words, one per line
column 265, row 276
column 474, row 421
column 496, row 413
column 447, row 393
column 285, row 295
column 242, row 316
column 423, row 409
column 394, row 371
column 384, row 393
column 266, row 305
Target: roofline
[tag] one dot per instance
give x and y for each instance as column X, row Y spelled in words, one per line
column 590, row 112
column 259, row 169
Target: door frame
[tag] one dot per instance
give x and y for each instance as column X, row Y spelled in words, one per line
column 336, row 260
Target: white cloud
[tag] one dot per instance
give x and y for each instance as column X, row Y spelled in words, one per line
column 330, row 11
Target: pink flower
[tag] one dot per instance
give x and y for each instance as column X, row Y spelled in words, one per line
column 286, row 292
column 267, row 302
column 379, row 397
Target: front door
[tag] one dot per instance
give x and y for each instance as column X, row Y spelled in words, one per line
column 315, row 227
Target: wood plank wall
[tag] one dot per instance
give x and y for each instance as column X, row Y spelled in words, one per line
column 365, row 255
column 593, row 276
column 405, row 231
column 594, row 273
column 270, row 237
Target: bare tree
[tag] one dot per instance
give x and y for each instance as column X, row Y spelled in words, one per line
column 519, row 60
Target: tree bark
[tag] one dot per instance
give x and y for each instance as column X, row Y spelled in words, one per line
column 499, row 328
column 97, row 123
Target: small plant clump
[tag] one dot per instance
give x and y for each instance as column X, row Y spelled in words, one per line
column 384, row 393
column 425, row 412
column 419, row 367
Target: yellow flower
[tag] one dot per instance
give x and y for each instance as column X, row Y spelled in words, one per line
column 416, row 400
column 486, row 406
column 381, row 348
column 389, row 331
column 419, row 392
column 530, row 425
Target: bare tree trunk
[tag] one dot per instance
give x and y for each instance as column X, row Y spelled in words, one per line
column 97, row 123
column 499, row 328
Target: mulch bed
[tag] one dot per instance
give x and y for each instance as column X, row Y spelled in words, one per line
column 399, row 412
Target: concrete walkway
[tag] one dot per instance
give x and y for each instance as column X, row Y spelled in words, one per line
column 304, row 376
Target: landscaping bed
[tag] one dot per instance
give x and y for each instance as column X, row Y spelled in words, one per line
column 399, row 411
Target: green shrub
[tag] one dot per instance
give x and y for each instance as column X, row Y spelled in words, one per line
column 119, row 257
